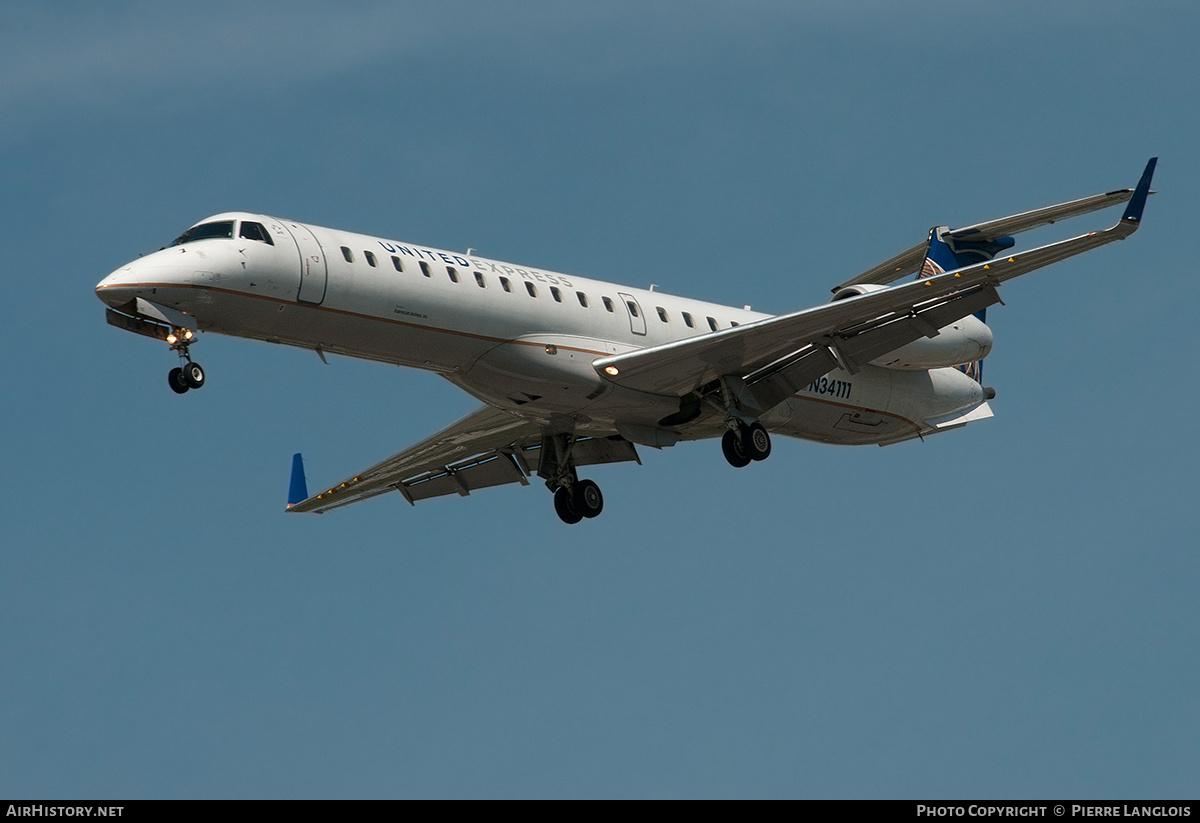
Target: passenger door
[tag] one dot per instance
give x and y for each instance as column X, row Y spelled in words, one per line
column 314, row 273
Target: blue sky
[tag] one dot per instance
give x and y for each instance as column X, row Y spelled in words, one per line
column 1004, row 611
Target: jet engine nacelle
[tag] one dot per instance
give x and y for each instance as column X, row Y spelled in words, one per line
column 963, row 341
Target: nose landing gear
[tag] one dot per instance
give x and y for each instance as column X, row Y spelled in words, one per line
column 189, row 375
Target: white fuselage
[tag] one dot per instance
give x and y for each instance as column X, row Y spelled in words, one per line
column 518, row 338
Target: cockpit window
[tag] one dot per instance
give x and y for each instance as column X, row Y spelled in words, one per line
column 255, row 231
column 205, row 231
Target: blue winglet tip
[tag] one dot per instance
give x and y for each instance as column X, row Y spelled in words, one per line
column 1133, row 212
column 298, row 491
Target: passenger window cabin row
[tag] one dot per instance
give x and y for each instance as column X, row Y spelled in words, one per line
column 530, row 288
column 250, row 230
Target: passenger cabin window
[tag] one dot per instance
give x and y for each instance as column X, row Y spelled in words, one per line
column 479, row 279
column 687, row 318
column 557, row 294
column 396, row 262
column 632, row 307
column 582, row 299
column 205, row 231
column 607, row 303
column 349, row 255
column 453, row 274
column 529, row 287
column 505, row 284
column 712, row 324
column 370, row 258
column 662, row 314
column 255, row 231
column 425, row 269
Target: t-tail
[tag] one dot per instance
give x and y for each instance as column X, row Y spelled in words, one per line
column 947, row 253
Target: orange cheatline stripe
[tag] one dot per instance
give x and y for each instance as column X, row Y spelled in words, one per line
column 444, row 331
column 484, row 337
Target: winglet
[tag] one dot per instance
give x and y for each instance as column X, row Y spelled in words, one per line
column 298, row 492
column 1133, row 212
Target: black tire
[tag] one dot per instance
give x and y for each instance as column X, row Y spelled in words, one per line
column 587, row 498
column 756, row 442
column 176, row 381
column 735, row 451
column 193, row 375
column 564, row 504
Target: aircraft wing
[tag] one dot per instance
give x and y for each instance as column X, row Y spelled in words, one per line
column 778, row 356
column 483, row 449
column 489, row 447
column 910, row 260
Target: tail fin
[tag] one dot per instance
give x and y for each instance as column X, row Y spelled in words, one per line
column 947, row 253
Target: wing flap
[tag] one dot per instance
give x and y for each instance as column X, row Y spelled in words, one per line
column 492, row 469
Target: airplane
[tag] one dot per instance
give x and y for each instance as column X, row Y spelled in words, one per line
column 576, row 372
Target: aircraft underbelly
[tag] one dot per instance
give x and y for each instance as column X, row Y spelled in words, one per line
column 828, row 422
column 874, row 405
column 541, row 373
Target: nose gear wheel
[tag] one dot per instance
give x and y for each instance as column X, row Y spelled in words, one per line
column 189, row 375
column 176, row 380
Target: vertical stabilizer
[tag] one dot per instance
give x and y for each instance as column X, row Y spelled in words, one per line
column 947, row 253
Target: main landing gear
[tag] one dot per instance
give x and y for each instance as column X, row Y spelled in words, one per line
column 745, row 439
column 574, row 499
column 188, row 375
column 582, row 499
column 746, row 443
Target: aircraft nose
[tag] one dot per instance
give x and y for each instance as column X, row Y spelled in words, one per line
column 117, row 289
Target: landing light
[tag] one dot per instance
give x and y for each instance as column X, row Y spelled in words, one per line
column 612, row 371
column 172, row 339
